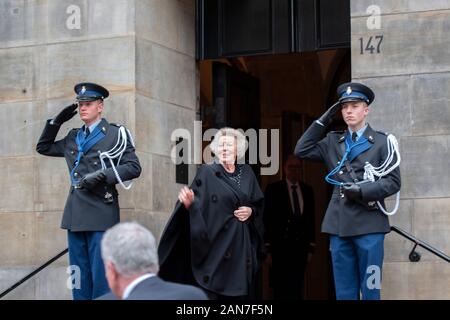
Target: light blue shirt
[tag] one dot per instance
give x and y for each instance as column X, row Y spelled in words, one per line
column 92, row 126
column 359, row 133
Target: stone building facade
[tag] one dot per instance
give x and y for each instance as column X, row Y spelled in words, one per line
column 411, row 76
column 143, row 51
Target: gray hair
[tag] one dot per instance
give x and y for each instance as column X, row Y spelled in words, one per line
column 230, row 132
column 131, row 248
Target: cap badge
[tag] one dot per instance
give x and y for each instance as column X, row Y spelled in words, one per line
column 349, row 90
column 83, row 90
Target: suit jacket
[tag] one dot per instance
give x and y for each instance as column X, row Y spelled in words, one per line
column 220, row 251
column 282, row 227
column 155, row 288
column 345, row 217
column 88, row 210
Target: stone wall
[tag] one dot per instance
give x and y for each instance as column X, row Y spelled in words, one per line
column 411, row 78
column 143, row 52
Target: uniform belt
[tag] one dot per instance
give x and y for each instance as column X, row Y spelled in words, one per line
column 338, row 192
column 107, row 197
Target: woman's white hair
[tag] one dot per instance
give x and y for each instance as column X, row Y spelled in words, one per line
column 230, row 132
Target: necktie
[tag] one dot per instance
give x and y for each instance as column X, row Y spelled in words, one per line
column 87, row 131
column 297, row 210
column 354, row 136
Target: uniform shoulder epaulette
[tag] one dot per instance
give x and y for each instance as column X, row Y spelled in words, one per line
column 337, row 131
column 383, row 132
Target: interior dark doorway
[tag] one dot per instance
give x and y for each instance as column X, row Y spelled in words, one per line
column 284, row 92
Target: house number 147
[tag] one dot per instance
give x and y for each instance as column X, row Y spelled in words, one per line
column 371, row 45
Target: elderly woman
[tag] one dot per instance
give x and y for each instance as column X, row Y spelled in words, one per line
column 214, row 236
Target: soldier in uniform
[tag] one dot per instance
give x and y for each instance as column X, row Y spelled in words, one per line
column 95, row 166
column 355, row 218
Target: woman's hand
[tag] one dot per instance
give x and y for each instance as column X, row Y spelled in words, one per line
column 186, row 197
column 243, row 213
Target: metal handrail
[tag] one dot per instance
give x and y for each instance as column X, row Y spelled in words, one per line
column 415, row 256
column 33, row 273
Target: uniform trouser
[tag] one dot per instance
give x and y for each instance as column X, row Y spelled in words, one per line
column 357, row 265
column 85, row 256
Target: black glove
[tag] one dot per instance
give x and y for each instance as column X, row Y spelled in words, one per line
column 352, row 191
column 327, row 117
column 90, row 180
column 65, row 115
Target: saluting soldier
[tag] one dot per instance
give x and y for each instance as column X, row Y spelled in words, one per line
column 364, row 168
column 99, row 155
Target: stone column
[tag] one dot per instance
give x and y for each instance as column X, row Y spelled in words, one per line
column 409, row 69
column 166, row 99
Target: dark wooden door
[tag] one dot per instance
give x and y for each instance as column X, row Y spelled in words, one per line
column 236, row 98
column 236, row 103
column 318, row 275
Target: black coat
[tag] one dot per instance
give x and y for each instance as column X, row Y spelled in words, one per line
column 88, row 210
column 282, row 228
column 346, row 217
column 209, row 242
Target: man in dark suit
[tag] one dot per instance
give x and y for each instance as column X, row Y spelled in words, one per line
column 131, row 259
column 289, row 223
column 95, row 166
column 364, row 170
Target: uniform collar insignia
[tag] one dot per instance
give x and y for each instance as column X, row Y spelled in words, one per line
column 369, row 134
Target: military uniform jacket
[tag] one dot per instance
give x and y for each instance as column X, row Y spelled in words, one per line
column 221, row 252
column 89, row 210
column 345, row 217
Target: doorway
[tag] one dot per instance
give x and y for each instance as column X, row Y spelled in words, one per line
column 285, row 92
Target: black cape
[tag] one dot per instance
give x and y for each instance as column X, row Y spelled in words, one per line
column 208, row 246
